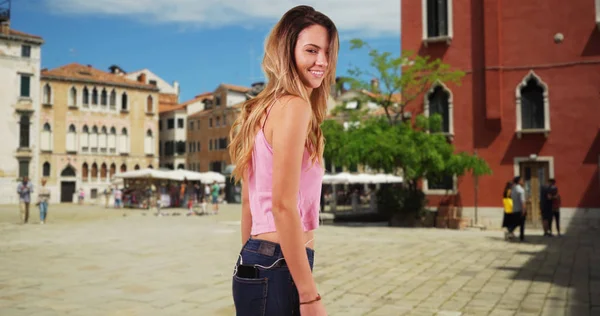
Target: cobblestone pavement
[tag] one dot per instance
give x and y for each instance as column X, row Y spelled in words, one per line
column 123, row 263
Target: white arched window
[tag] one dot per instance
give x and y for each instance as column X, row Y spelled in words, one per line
column 438, row 100
column 533, row 106
column 46, row 139
column 72, row 97
column 149, row 143
column 94, row 140
column 71, row 139
column 47, row 94
column 112, row 140
column 102, row 138
column 124, row 141
column 84, row 139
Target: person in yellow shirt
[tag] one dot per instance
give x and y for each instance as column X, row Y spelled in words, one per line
column 507, row 218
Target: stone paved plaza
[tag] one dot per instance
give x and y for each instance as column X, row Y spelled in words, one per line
column 91, row 261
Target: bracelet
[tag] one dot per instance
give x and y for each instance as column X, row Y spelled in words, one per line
column 318, row 298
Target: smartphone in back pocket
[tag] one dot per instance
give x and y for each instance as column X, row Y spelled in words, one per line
column 247, row 271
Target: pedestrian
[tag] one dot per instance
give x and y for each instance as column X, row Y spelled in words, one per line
column 546, row 209
column 118, row 197
column 517, row 195
column 277, row 146
column 555, row 204
column 216, row 189
column 508, row 218
column 81, row 196
column 42, row 201
column 24, row 189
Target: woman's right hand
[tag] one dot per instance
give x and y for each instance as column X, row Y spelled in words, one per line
column 313, row 309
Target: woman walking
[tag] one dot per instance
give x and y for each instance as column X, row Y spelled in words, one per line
column 43, row 198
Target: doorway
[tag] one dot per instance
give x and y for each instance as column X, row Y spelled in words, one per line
column 535, row 174
column 67, row 189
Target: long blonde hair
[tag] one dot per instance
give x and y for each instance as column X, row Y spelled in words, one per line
column 283, row 79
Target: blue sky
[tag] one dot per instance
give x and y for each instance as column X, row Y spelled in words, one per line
column 199, row 43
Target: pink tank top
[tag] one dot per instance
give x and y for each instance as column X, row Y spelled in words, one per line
column 260, row 188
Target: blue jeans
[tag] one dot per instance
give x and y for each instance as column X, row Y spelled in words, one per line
column 43, row 210
column 271, row 291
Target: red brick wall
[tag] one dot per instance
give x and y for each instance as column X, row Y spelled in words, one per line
column 497, row 44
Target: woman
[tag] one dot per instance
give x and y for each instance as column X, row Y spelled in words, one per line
column 508, row 218
column 43, row 198
column 277, row 147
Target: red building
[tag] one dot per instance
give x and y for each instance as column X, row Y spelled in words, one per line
column 529, row 103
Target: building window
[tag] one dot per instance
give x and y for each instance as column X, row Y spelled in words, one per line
column 137, row 167
column 210, row 146
column 113, row 100
column 94, row 96
column 84, row 172
column 152, row 82
column 533, row 108
column 124, row 105
column 442, row 183
column 113, row 170
column 46, row 138
column 180, row 166
column 24, row 124
column 86, row 96
column 181, row 147
column 94, row 140
column 437, row 20
column 25, row 86
column 439, row 101
column 224, row 120
column 104, row 98
column 72, row 97
column 170, row 123
column 103, row 171
column 46, row 169
column 71, row 138
column 210, row 122
column 218, row 121
column 23, row 168
column 180, row 123
column 84, row 139
column 112, row 140
column 198, row 146
column 217, row 101
column 160, row 146
column 102, row 138
column 191, row 128
column 123, row 168
column 160, row 125
column 149, row 143
column 47, row 94
column 94, row 174
column 149, row 104
column 124, row 144
column 223, row 143
column 26, row 51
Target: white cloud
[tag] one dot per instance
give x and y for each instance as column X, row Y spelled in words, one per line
column 352, row 17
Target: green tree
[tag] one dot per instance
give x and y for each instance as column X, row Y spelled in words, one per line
column 394, row 142
column 409, row 75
